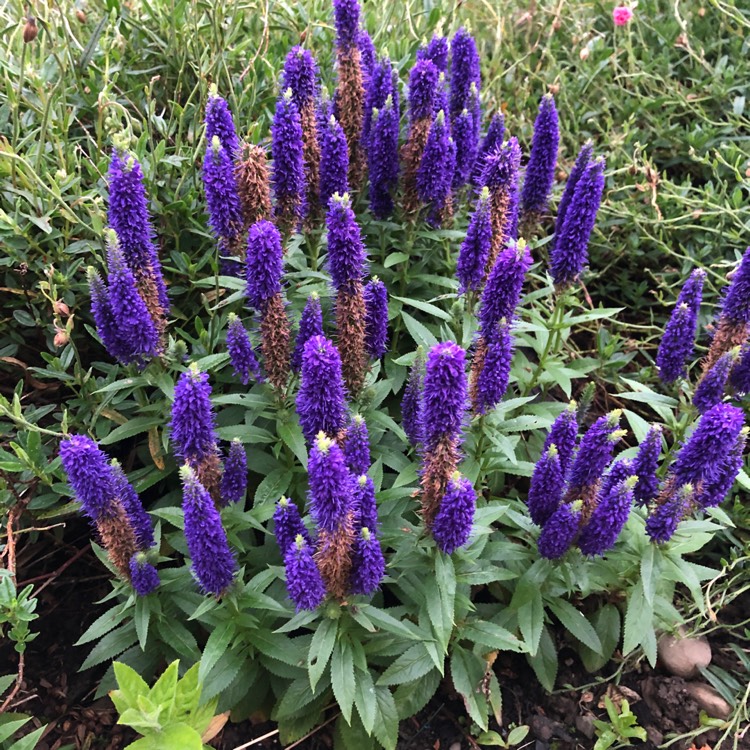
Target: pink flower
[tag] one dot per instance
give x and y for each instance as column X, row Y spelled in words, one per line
column 622, row 15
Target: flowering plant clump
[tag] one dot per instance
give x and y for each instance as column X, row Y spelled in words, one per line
column 347, row 458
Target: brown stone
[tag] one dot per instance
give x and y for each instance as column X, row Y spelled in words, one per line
column 709, row 700
column 684, row 656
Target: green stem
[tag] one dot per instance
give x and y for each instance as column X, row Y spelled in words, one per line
column 17, row 110
column 553, row 340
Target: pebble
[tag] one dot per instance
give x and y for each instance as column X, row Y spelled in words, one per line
column 683, row 656
column 455, row 746
column 585, row 725
column 709, row 700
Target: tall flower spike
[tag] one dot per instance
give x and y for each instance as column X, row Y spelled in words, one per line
column 234, row 478
column 665, row 517
column 739, row 378
column 368, row 57
column 411, row 402
column 356, row 446
column 608, row 518
column 253, row 185
column 452, row 525
column 713, row 493
column 301, row 76
column 490, row 143
column 734, row 321
column 219, row 123
column 465, row 71
column 140, row 521
column 540, row 171
column 441, row 97
column 501, row 177
column 435, row 174
column 376, row 318
column 287, row 147
column 435, row 50
column 560, row 531
column 423, row 82
column 678, row 342
column 310, row 324
column 104, row 319
column 334, row 161
column 563, row 434
column 646, row 465
column 442, row 413
column 465, row 137
column 128, row 216
column 382, row 158
column 546, row 488
column 475, row 249
column 619, row 471
column 212, row 560
column 365, row 503
column 710, row 390
column 288, row 524
column 193, row 432
column 379, row 89
column 241, row 352
column 143, row 575
column 368, row 563
column 350, row 92
column 138, row 337
column 303, row 581
column 492, row 375
column 569, row 255
column 582, row 161
column 222, row 197
column 321, row 399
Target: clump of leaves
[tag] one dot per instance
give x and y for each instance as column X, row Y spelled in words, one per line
column 621, row 727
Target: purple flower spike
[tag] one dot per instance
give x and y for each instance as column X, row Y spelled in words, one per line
column 475, row 249
column 193, row 434
column 219, row 123
column 444, row 397
column 137, row 333
column 739, row 378
column 382, row 158
column 224, row 209
column 677, row 344
column 569, row 255
column 212, row 561
column 619, row 471
column 265, row 263
column 241, row 352
column 128, row 216
column 288, row 524
column 380, row 87
column 128, row 497
column 464, row 134
column 546, row 488
column 491, row 143
column 346, row 253
column 540, row 171
column 301, row 76
column 234, row 478
column 559, row 532
column 346, row 17
column 436, row 51
column 423, row 84
column 365, row 503
column 664, row 519
column 465, row 71
column 435, row 174
column 736, row 304
column 582, row 161
column 143, row 575
column 701, row 457
column 331, row 485
column 367, row 55
column 646, row 465
column 411, row 403
column 334, row 161
column 494, row 376
column 710, row 390
column 594, row 452
column 441, row 97
column 563, row 434
column 607, row 520
column 376, row 318
column 287, row 148
column 357, row 446
column 368, row 563
column 101, row 311
column 321, row 400
column 310, row 324
column 303, row 581
column 713, row 493
column 89, row 474
column 501, row 177
column 503, row 290
column 452, row 525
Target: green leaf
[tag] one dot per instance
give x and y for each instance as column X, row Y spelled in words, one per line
column 134, row 426
column 6, row 681
column 381, row 618
column 342, row 677
column 527, row 602
column 638, row 619
column 431, row 310
column 29, row 742
column 297, row 696
column 414, row 663
column 649, row 573
column 606, row 622
column 217, row 643
column 141, row 619
column 414, row 696
column 386, row 720
column 493, row 636
column 130, row 685
column 419, row 332
column 544, row 661
column 112, row 645
column 291, row 435
column 467, row 671
column 321, row 647
column 354, row 735
column 164, row 692
column 176, row 635
column 277, row 646
column 575, row 623
column 394, row 259
column 9, row 725
column 103, row 624
column 365, row 700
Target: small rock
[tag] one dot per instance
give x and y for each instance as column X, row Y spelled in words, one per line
column 708, row 699
column 543, row 728
column 585, row 725
column 655, row 737
column 683, row 656
column 455, row 746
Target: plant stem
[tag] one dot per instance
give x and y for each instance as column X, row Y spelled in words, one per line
column 553, row 339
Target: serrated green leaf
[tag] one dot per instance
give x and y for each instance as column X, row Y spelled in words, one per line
column 638, row 619
column 342, row 677
column 411, row 665
column 291, row 435
column 216, row 645
column 29, row 742
column 112, row 645
column 134, row 426
column 575, row 623
column 141, row 619
column 365, row 699
column 493, row 636
column 321, row 648
column 103, row 624
column 544, row 661
column 386, row 721
column 467, row 671
column 414, row 696
column 606, row 622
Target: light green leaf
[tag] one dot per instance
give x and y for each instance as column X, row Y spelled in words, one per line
column 342, row 677
column 321, row 647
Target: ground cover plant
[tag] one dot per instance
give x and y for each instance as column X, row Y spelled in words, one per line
column 334, row 354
